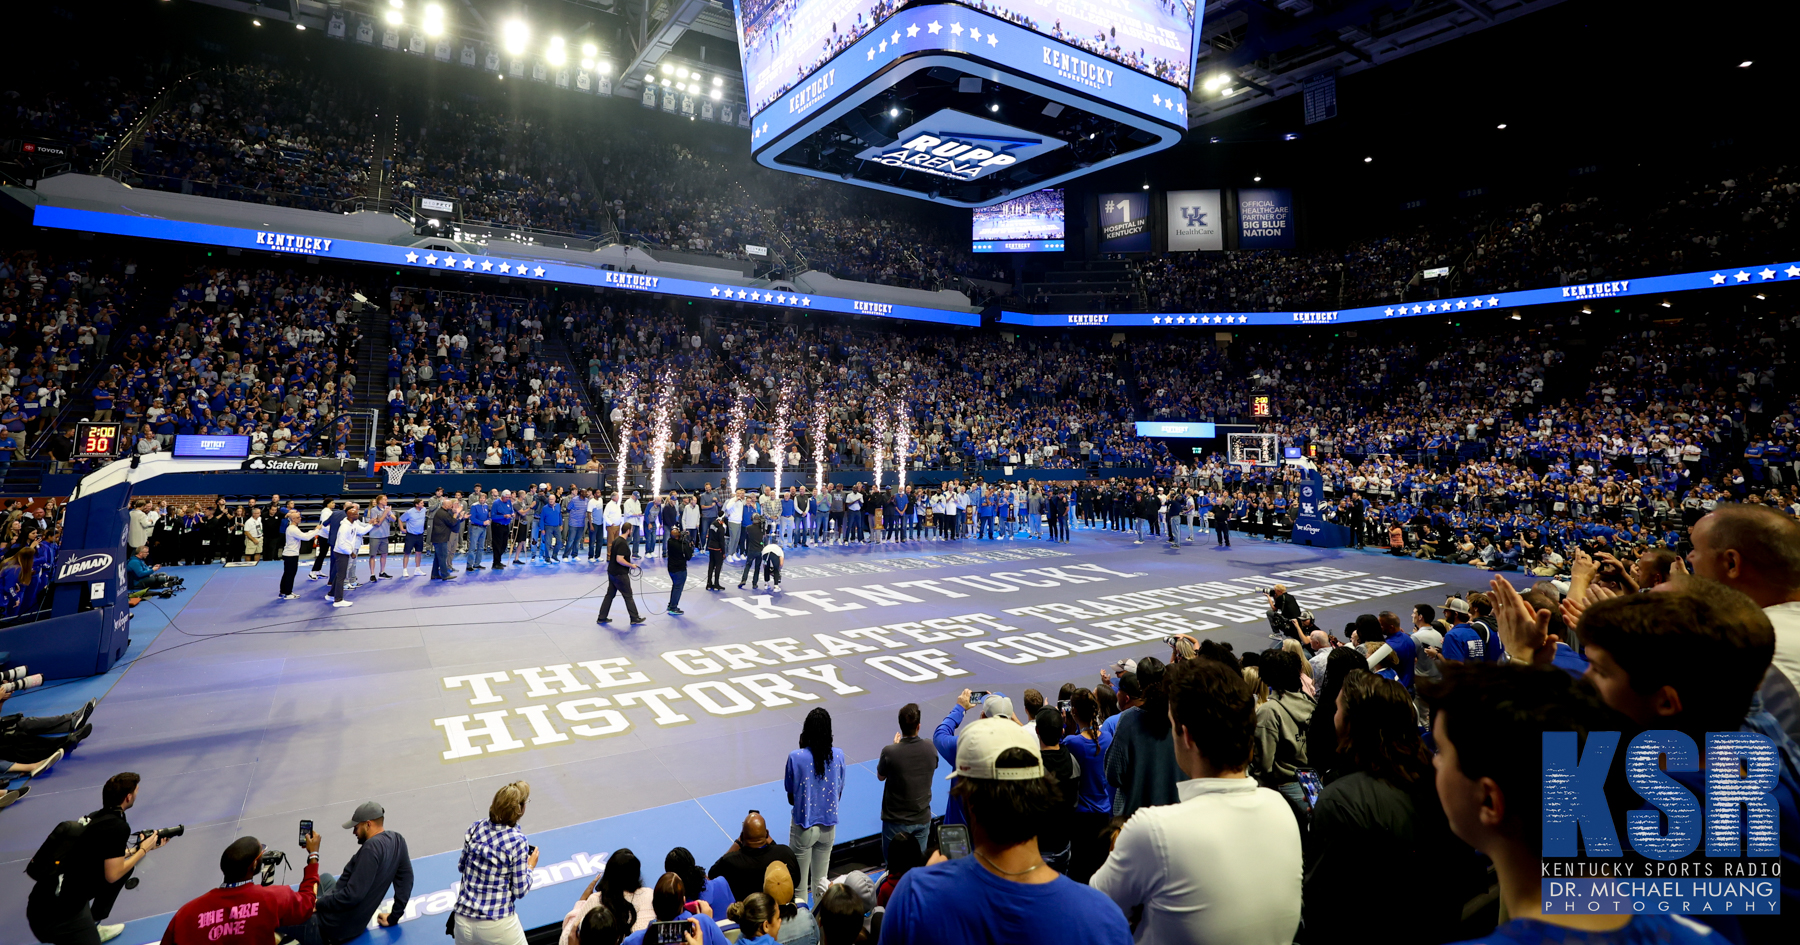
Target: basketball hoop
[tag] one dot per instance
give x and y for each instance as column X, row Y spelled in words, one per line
column 394, row 471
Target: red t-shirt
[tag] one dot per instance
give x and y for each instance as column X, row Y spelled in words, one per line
column 243, row 915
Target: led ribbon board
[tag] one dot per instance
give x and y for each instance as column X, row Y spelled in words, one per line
column 1761, row 274
column 552, row 271
column 1070, row 111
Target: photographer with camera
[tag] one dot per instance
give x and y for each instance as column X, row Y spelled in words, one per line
column 142, row 575
column 240, row 910
column 83, row 865
column 1284, row 614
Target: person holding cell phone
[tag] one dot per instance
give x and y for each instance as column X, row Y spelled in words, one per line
column 496, row 867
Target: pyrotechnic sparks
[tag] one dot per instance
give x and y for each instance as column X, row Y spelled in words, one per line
column 734, row 450
column 778, row 445
column 627, row 400
column 881, row 436
column 820, row 418
column 659, row 432
column 902, row 443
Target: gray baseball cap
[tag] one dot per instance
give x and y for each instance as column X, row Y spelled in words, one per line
column 367, row 810
column 997, row 707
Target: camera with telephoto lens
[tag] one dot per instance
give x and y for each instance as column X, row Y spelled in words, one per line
column 270, row 860
column 165, row 833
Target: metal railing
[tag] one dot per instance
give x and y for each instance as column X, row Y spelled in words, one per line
column 118, row 159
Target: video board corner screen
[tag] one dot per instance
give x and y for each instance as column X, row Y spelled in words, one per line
column 783, row 42
column 1034, row 223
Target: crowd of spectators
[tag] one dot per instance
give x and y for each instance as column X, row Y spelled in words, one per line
column 263, row 135
column 505, row 169
column 89, row 115
column 471, row 386
column 1581, row 238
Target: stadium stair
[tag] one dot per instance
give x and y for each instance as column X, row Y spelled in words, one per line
column 1101, row 285
column 596, row 439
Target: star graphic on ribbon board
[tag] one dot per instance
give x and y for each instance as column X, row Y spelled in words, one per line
column 1718, row 278
column 896, row 37
column 992, row 39
column 412, row 257
column 912, row 31
column 1476, row 303
column 956, row 28
column 1767, row 273
column 1155, row 319
column 1431, row 308
column 487, row 265
column 882, row 46
column 1389, row 313
column 1417, row 309
column 431, row 260
column 755, row 296
column 1460, row 304
column 468, row 262
column 1792, row 271
column 805, row 302
column 1741, row 276
column 506, row 267
column 539, row 272
column 449, row 262
column 715, row 292
column 1493, row 302
column 871, row 54
column 936, row 27
column 974, row 35
column 1156, row 99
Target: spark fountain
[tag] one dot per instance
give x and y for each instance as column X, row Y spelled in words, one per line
column 735, row 450
column 902, row 444
column 628, row 400
column 659, row 432
column 778, row 445
column 820, row 418
column 881, row 438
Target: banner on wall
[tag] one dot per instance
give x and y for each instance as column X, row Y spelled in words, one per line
column 1195, row 221
column 1125, row 222
column 1265, row 218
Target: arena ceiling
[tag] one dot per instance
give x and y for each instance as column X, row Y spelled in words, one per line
column 1251, row 52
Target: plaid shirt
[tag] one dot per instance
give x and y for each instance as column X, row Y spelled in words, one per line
column 494, row 874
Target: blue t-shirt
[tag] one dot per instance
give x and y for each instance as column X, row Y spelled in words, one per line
column 1464, row 643
column 1095, row 796
column 1641, row 930
column 960, row 901
column 414, row 521
column 1407, row 651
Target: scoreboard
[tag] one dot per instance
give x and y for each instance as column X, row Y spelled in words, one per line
column 1262, row 405
column 965, row 103
column 99, row 439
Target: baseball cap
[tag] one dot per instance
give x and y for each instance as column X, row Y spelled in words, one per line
column 997, row 707
column 859, row 883
column 1426, row 636
column 367, row 810
column 1126, row 665
column 778, row 883
column 1306, row 615
column 979, row 746
column 1457, row 605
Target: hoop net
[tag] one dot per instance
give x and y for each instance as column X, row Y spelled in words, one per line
column 393, row 471
column 1253, row 449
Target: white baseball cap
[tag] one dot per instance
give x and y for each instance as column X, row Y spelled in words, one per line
column 981, row 743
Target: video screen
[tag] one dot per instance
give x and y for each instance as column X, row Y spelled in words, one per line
column 785, row 41
column 1029, row 224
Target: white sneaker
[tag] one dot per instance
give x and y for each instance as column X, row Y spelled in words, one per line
column 405, row 573
column 313, row 576
column 342, row 603
column 109, row 932
column 776, row 588
column 288, row 596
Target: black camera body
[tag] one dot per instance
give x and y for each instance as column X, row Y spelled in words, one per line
column 270, row 860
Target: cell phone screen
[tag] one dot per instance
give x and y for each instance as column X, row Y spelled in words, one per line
column 978, row 695
column 306, row 828
column 1310, row 785
column 666, row 933
column 953, row 841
